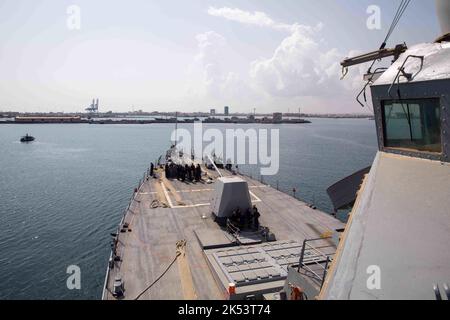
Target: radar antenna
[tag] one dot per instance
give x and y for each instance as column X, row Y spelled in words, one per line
column 377, row 55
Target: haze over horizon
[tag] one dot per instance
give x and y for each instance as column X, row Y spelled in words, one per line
column 194, row 55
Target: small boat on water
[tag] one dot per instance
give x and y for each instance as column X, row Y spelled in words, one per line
column 27, row 138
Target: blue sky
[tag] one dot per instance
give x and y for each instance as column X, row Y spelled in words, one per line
column 193, row 55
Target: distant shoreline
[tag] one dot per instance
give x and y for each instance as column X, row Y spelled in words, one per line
column 146, row 122
column 169, row 121
column 171, row 118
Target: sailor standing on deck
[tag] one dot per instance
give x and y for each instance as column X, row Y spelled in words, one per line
column 256, row 216
column 192, row 171
column 166, row 170
column 179, row 173
column 239, row 217
column 198, row 173
column 248, row 218
column 187, row 173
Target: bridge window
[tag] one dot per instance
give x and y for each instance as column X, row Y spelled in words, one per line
column 413, row 124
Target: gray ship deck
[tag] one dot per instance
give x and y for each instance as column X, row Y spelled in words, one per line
column 150, row 246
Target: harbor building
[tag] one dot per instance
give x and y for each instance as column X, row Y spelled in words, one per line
column 277, row 117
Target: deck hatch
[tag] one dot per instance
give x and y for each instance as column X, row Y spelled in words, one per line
column 257, row 264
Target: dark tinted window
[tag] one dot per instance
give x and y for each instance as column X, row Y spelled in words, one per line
column 413, row 124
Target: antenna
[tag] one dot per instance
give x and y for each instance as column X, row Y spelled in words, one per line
column 374, row 55
column 383, row 52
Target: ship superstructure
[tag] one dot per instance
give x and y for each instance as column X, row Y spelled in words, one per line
column 399, row 228
column 395, row 245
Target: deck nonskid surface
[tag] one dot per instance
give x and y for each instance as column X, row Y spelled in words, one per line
column 150, row 247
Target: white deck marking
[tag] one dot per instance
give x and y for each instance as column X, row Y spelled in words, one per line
column 166, row 194
column 194, row 190
column 255, row 199
column 254, row 195
column 192, row 206
column 204, row 190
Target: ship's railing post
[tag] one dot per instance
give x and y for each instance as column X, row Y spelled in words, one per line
column 325, row 271
column 300, row 263
column 316, row 256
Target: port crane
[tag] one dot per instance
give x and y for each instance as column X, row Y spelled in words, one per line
column 93, row 108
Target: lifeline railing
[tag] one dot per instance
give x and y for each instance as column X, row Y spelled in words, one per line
column 232, row 229
column 114, row 244
column 312, row 256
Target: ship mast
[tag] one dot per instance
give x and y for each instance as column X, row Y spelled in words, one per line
column 377, row 55
column 176, row 128
column 443, row 13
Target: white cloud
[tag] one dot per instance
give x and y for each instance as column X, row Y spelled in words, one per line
column 217, row 84
column 210, row 45
column 300, row 67
column 257, row 18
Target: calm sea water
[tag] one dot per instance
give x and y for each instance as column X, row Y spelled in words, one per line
column 62, row 195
